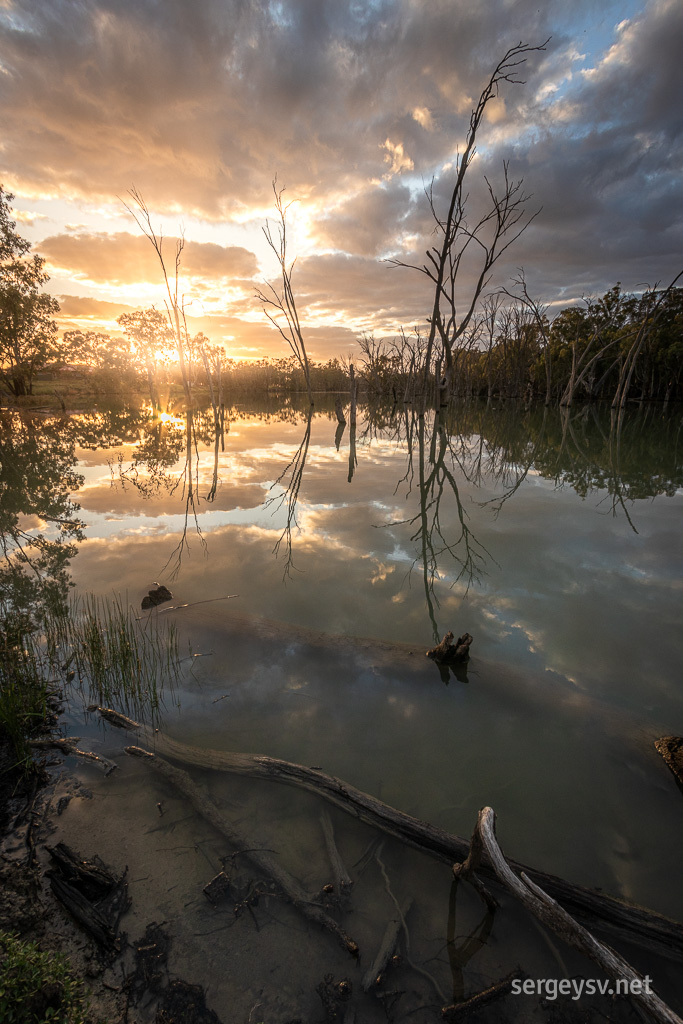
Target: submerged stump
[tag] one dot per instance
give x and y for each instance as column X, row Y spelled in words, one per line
column 671, row 749
column 450, row 653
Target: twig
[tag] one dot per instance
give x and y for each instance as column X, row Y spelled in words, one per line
column 501, row 988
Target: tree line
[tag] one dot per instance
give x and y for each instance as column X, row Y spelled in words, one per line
column 617, row 347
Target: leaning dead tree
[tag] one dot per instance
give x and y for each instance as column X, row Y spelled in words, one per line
column 283, row 301
column 481, row 243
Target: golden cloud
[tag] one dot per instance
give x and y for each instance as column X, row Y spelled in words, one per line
column 124, row 258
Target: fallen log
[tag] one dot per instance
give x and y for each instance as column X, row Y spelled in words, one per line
column 83, row 911
column 555, row 917
column 90, row 892
column 290, row 887
column 608, row 914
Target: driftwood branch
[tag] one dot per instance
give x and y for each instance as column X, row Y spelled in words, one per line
column 456, row 1011
column 68, row 746
column 114, row 717
column 467, row 870
column 289, row 886
column 373, row 975
column 614, row 917
column 342, row 879
column 554, row 917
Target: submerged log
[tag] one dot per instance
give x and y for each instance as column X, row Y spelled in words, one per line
column 342, row 879
column 115, row 717
column 671, row 749
column 68, row 746
column 373, row 976
column 456, row 1011
column 608, row 914
column 555, row 917
column 289, row 886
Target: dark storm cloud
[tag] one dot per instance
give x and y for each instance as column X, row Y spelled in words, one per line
column 608, row 176
column 199, row 104
column 368, row 223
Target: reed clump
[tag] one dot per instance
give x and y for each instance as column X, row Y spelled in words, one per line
column 97, row 648
column 118, row 658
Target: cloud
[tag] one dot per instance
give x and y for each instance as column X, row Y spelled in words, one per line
column 124, row 258
column 368, row 223
column 356, row 107
column 200, row 109
column 243, row 338
column 27, row 217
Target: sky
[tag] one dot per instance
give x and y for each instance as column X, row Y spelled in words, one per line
column 356, row 106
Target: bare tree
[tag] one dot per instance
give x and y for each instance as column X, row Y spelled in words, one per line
column 175, row 307
column 539, row 316
column 283, row 301
column 496, row 229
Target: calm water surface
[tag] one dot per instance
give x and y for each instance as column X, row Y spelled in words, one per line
column 554, row 540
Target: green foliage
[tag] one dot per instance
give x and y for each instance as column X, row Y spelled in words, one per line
column 27, row 329
column 37, row 987
column 24, row 692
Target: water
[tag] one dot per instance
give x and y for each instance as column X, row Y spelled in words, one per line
column 555, row 540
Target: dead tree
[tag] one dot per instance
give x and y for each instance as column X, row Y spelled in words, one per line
column 539, row 317
column 283, row 302
column 496, row 229
column 654, row 304
column 175, row 306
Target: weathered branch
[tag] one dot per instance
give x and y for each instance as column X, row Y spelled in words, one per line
column 342, row 879
column 68, row 746
column 373, row 976
column 290, row 887
column 551, row 914
column 456, row 1011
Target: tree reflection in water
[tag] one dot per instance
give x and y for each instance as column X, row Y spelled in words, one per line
column 293, row 473
column 39, row 523
column 620, row 457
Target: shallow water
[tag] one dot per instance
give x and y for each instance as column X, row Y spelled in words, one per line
column 554, row 540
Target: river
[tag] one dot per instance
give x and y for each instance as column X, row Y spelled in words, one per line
column 311, row 568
